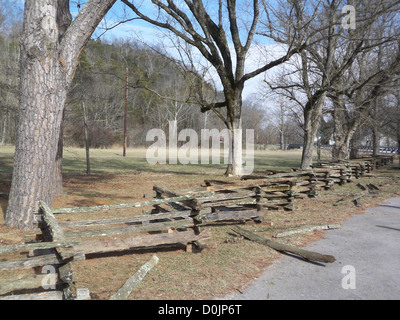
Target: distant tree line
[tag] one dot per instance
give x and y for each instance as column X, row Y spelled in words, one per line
column 159, row 91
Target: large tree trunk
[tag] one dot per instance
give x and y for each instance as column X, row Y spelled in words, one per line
column 234, row 124
column 344, row 129
column 57, row 174
column 355, row 144
column 235, row 166
column 49, row 54
column 340, row 149
column 376, row 140
column 87, row 146
column 282, row 140
column 312, row 118
column 3, row 136
column 308, row 150
column 43, row 92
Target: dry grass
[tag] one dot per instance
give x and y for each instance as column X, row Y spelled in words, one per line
column 221, row 268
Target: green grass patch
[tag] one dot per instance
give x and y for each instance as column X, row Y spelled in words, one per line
column 111, row 161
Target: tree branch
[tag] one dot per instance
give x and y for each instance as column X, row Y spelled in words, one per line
column 274, row 63
column 79, row 32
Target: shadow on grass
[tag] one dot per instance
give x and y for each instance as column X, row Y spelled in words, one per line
column 105, row 162
column 282, row 162
column 119, row 166
column 101, row 166
column 83, row 178
column 142, row 250
column 79, row 183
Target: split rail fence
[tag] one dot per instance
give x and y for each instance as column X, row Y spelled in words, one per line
column 177, row 218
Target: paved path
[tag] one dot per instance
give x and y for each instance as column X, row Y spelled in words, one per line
column 367, row 251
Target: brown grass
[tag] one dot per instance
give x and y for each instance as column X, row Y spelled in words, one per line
column 223, row 267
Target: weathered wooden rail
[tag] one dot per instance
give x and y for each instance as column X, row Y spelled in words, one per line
column 326, row 175
column 63, row 243
column 260, row 193
column 55, row 253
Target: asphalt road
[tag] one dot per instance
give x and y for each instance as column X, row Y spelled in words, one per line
column 367, row 267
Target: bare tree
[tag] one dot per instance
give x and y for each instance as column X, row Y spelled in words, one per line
column 368, row 75
column 217, row 31
column 330, row 61
column 50, row 47
column 303, row 83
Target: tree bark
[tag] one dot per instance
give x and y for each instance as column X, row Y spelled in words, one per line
column 312, row 118
column 340, row 150
column 49, row 56
column 87, row 147
column 3, row 136
column 235, row 165
column 343, row 130
column 282, row 140
column 355, row 144
column 308, row 149
column 57, row 175
column 345, row 127
column 376, row 140
column 41, row 101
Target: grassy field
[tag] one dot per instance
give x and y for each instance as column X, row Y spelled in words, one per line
column 223, row 267
column 111, row 161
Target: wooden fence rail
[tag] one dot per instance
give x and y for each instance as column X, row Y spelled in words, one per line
column 177, row 218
